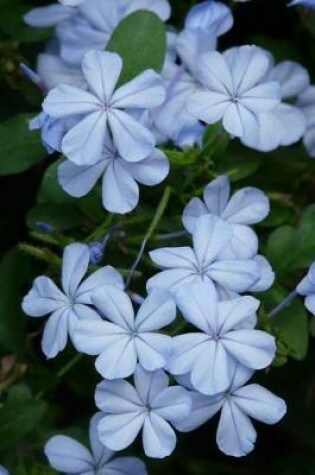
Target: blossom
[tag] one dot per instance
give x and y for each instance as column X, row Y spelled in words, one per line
column 127, row 339
column 306, row 102
column 95, row 21
column 234, row 89
column 286, row 123
column 236, row 435
column 101, row 109
column 226, row 337
column 120, row 192
column 67, row 455
column 71, row 304
column 45, row 17
column 247, row 206
column 149, row 405
column 306, row 3
column 52, row 130
column 307, row 288
column 203, row 262
column 3, row 470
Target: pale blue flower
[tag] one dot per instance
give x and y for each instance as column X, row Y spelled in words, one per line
column 204, row 262
column 236, row 435
column 307, row 288
column 45, row 17
column 94, row 22
column 225, row 338
column 306, row 102
column 120, row 191
column 245, row 207
column 150, row 405
column 126, row 339
column 286, row 123
column 102, row 108
column 52, row 130
column 3, row 470
column 69, row 456
column 53, row 72
column 234, row 89
column 71, row 304
column 71, row 3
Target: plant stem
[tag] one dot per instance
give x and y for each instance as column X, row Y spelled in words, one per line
column 287, row 301
column 65, row 369
column 155, row 221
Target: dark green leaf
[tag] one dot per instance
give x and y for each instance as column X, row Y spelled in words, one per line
column 20, row 148
column 215, row 141
column 140, row 39
column 15, row 272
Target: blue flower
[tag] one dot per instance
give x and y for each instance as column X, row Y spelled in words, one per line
column 246, row 207
column 236, row 435
column 102, row 109
column 127, row 339
column 306, row 102
column 3, row 470
column 204, row 262
column 120, row 191
column 235, row 89
column 307, row 288
column 150, row 405
column 45, row 17
column 73, row 303
column 69, row 456
column 306, row 3
column 225, row 338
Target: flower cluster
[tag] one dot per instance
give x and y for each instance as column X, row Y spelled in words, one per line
column 211, row 361
column 111, row 132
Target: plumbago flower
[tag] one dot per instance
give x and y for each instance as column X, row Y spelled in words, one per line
column 306, row 102
column 247, row 206
column 204, row 262
column 226, row 338
column 120, row 192
column 73, row 303
column 234, row 89
column 102, row 108
column 307, row 288
column 127, row 339
column 236, row 435
column 69, row 456
column 204, row 23
column 286, row 123
column 149, row 405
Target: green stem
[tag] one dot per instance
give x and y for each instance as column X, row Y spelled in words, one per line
column 101, row 230
column 65, row 369
column 155, row 221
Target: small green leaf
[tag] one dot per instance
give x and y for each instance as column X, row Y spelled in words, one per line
column 283, row 248
column 15, row 272
column 290, row 326
column 140, row 39
column 20, row 148
column 18, row 418
column 215, row 141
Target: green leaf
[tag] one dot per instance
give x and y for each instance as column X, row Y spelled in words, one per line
column 238, row 165
column 58, row 216
column 20, row 148
column 140, row 39
column 18, row 418
column 291, row 325
column 16, row 270
column 280, row 213
column 215, row 141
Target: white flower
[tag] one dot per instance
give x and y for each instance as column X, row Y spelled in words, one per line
column 69, row 456
column 225, row 338
column 245, row 207
column 234, row 89
column 203, row 262
column 126, row 339
column 151, row 406
column 236, row 435
column 73, row 303
column 101, row 109
column 120, row 192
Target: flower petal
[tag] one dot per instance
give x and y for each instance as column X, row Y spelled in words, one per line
column 117, row 397
column 43, row 298
column 77, row 180
column 153, row 350
column 247, row 206
column 159, row 439
column 118, row 431
column 102, row 70
column 95, row 282
column 233, row 314
column 253, row 348
column 236, row 275
column 192, row 212
column 67, row 455
column 133, row 141
column 66, row 100
column 55, row 334
column 74, row 265
column 116, row 306
column 120, row 192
